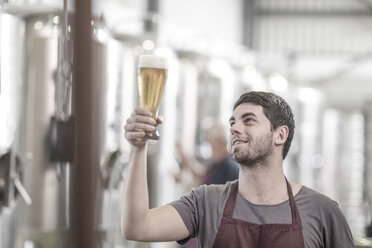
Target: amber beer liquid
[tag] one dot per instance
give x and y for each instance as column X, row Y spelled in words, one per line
column 152, row 76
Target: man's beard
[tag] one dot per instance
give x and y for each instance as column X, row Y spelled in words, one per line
column 255, row 153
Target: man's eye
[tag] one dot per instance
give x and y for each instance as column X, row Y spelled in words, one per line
column 231, row 124
column 248, row 120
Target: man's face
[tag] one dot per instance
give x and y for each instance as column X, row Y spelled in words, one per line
column 251, row 135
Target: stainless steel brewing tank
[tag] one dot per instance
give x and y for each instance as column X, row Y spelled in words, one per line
column 45, row 222
column 11, row 84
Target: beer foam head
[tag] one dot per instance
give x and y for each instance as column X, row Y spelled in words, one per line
column 152, row 61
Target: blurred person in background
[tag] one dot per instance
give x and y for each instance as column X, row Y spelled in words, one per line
column 260, row 209
column 220, row 169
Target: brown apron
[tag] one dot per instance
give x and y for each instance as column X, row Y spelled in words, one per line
column 243, row 234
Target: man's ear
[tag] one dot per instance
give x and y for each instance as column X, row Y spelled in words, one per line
column 281, row 135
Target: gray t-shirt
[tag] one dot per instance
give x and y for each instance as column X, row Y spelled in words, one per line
column 324, row 225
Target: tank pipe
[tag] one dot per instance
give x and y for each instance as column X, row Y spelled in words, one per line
column 82, row 171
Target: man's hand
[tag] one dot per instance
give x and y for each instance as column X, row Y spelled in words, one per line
column 137, row 125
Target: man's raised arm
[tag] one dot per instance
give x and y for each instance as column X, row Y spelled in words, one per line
column 137, row 220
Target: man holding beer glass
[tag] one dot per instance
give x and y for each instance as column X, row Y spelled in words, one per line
column 260, row 209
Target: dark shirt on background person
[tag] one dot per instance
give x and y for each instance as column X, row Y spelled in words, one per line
column 221, row 172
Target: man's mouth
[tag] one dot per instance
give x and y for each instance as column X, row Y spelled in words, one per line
column 235, row 142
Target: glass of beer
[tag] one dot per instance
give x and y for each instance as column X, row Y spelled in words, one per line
column 152, row 75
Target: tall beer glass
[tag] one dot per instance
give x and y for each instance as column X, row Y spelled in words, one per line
column 152, row 75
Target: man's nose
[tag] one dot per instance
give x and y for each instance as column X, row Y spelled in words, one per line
column 235, row 128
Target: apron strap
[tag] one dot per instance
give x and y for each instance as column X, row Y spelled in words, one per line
column 296, row 220
column 229, row 209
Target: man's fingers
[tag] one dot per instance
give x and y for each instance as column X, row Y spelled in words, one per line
column 134, row 135
column 159, row 120
column 141, row 111
column 136, row 127
column 138, row 124
column 141, row 119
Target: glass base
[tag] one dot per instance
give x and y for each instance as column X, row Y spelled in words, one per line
column 153, row 136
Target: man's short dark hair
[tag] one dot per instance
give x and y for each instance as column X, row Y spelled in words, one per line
column 275, row 108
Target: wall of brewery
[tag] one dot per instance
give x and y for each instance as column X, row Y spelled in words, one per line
column 315, row 54
column 221, row 23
